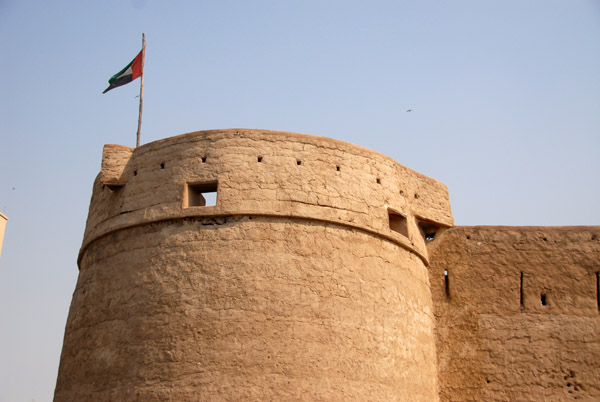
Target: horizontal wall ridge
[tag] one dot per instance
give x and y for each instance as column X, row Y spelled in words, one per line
column 224, row 218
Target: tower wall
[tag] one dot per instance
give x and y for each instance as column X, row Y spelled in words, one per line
column 306, row 280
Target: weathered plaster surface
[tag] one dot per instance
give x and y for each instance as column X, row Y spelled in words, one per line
column 249, row 309
column 358, row 194
column 291, row 287
column 297, row 284
column 495, row 339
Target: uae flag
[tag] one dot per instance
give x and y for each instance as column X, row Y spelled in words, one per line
column 131, row 71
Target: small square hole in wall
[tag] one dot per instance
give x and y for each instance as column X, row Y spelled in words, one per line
column 398, row 223
column 202, row 194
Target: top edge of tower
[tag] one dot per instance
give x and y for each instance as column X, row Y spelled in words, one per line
column 267, row 173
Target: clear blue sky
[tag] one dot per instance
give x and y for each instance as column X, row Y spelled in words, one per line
column 505, row 99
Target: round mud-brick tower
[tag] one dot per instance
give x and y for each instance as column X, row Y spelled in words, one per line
column 254, row 265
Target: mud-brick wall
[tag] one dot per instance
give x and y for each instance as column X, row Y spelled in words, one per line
column 248, row 308
column 517, row 313
column 297, row 284
column 264, row 173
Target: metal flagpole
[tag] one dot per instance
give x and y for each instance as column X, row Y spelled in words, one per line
column 141, row 90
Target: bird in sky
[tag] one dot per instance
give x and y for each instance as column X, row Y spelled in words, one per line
column 408, row 110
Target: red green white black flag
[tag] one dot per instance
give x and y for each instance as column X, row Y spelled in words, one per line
column 131, row 71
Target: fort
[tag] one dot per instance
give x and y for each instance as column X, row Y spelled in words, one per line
column 239, row 264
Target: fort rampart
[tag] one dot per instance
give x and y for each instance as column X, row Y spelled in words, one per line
column 306, row 279
column 517, row 313
column 260, row 265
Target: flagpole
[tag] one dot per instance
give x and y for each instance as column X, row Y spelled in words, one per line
column 141, row 90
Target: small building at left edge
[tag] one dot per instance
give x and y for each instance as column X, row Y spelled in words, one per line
column 3, row 220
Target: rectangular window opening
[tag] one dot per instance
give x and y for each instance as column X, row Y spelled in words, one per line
column 543, row 300
column 114, row 187
column 398, row 223
column 427, row 228
column 202, row 194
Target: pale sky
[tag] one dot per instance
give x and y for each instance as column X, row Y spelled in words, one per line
column 505, row 99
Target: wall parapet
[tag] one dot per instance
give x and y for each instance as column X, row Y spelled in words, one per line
column 268, row 173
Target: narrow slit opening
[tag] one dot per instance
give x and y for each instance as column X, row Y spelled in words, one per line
column 543, row 300
column 598, row 289
column 446, row 285
column 521, row 293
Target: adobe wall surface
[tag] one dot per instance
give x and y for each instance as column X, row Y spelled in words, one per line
column 495, row 340
column 299, row 175
column 293, row 286
column 319, row 274
column 248, row 309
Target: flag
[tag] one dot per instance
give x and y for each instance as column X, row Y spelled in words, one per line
column 132, row 71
